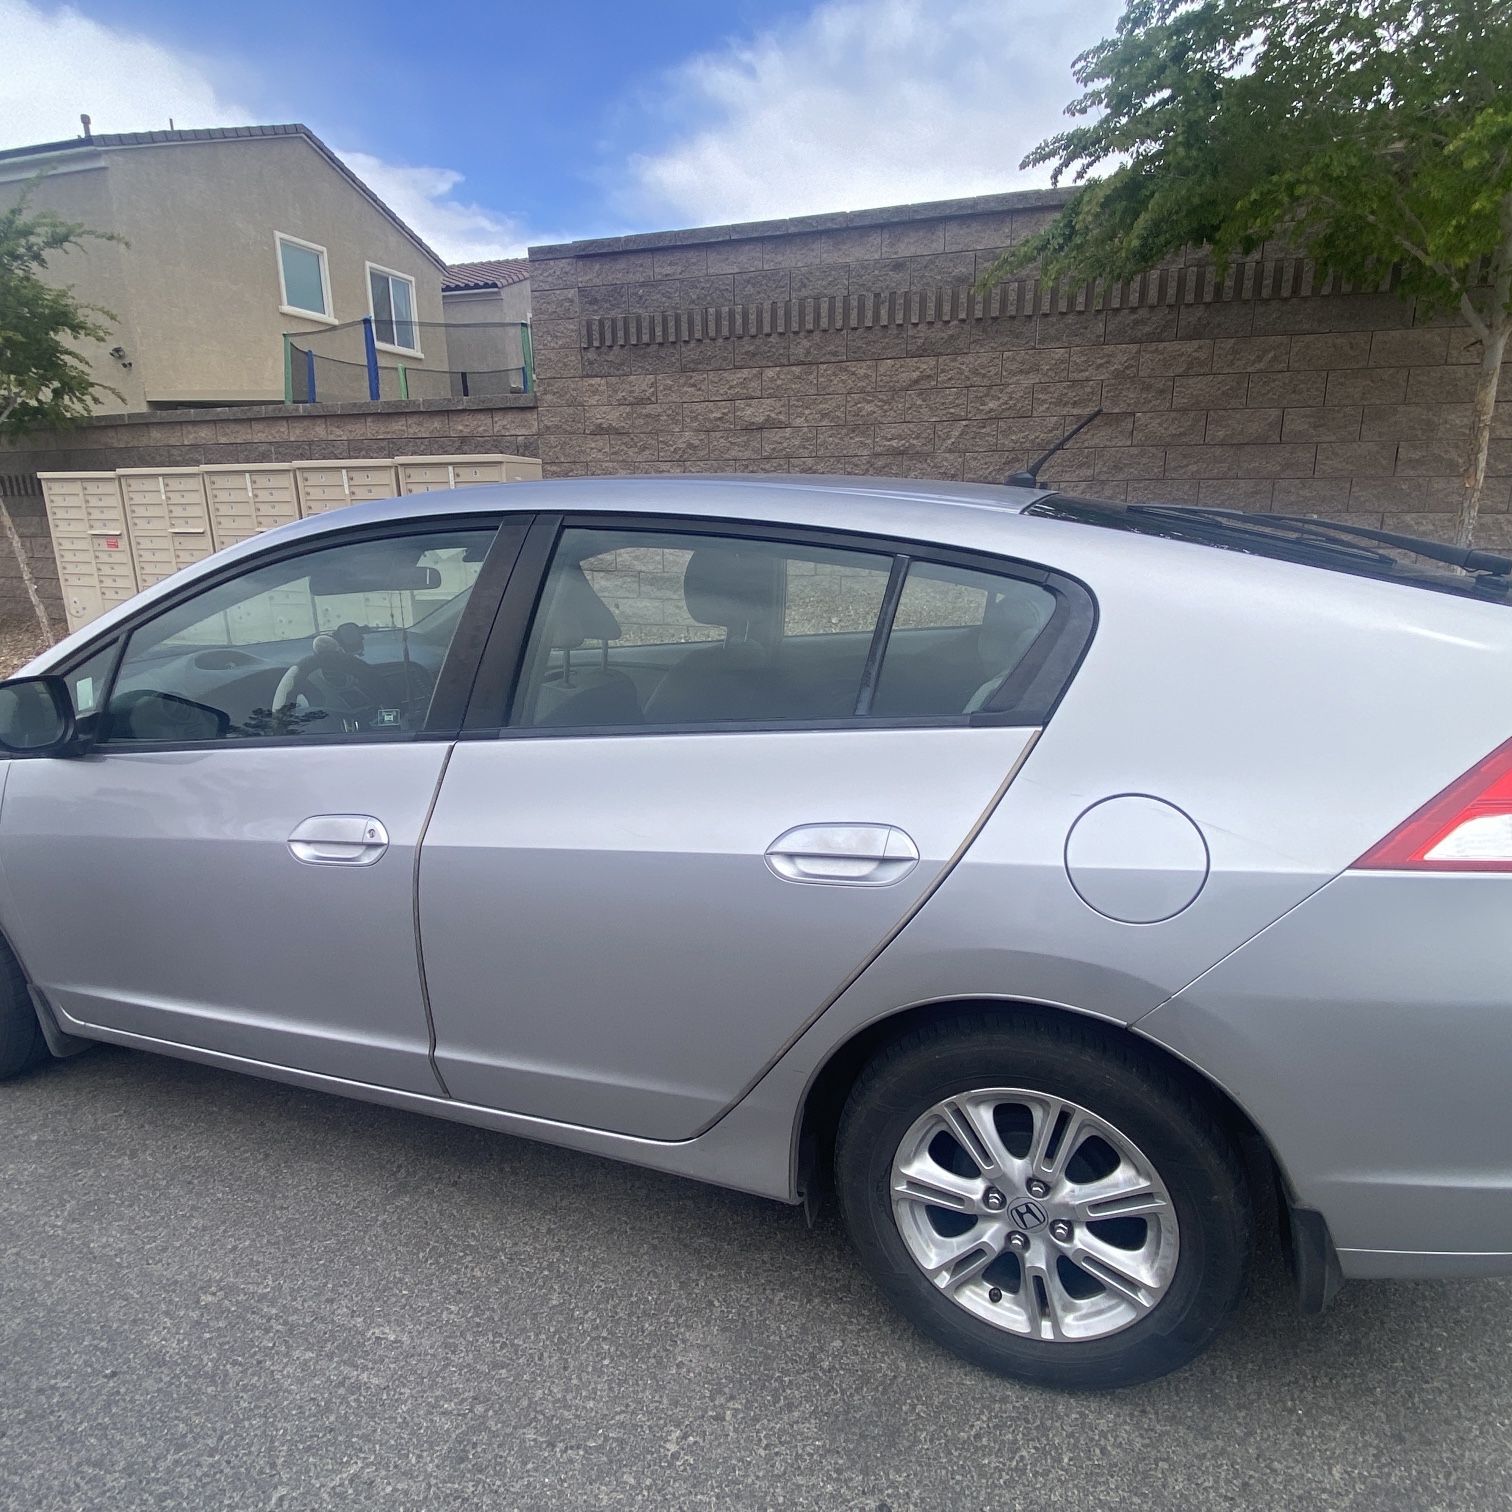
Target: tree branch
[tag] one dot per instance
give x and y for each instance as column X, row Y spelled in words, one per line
column 1420, row 252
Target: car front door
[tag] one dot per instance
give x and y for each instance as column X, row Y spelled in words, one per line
column 732, row 764
column 231, row 865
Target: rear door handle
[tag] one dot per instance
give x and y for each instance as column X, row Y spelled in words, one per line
column 848, row 855
column 339, row 840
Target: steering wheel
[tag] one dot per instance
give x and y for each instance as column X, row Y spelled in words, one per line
column 418, row 682
column 331, row 678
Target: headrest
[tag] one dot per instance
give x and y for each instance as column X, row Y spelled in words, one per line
column 728, row 588
column 577, row 612
column 1011, row 624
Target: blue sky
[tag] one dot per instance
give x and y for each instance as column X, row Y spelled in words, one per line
column 491, row 126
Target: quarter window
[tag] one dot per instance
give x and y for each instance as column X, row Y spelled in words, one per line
column 303, row 280
column 956, row 638
column 347, row 640
column 86, row 683
column 393, row 298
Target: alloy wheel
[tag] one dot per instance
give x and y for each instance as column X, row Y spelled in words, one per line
column 1034, row 1214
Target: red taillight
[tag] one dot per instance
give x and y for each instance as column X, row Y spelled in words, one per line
column 1468, row 827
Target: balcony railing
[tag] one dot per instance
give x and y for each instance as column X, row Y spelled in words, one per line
column 414, row 359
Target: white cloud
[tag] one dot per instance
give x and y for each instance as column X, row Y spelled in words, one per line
column 460, row 230
column 863, row 103
column 59, row 63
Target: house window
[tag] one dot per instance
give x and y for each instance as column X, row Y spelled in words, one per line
column 303, row 281
column 393, row 297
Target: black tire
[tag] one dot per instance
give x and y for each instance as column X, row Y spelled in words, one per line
column 1157, row 1108
column 21, row 1042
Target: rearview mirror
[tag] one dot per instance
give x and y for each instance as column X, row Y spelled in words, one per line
column 36, row 716
column 328, row 581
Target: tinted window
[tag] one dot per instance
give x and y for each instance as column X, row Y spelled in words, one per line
column 956, row 637
column 1355, row 547
column 637, row 628
column 344, row 640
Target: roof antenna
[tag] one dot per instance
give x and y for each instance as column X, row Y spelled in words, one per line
column 84, row 122
column 1028, row 477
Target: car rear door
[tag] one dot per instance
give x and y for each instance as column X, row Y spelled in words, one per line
column 220, row 873
column 709, row 771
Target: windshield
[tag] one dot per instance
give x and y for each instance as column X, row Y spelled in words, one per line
column 1362, row 550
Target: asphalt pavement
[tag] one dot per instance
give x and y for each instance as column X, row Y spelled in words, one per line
column 217, row 1292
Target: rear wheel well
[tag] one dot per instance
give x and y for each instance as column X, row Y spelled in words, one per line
column 830, row 1088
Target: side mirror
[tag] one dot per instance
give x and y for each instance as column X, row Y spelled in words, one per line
column 36, row 716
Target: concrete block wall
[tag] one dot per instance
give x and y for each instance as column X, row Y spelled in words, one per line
column 28, row 511
column 854, row 343
column 245, row 434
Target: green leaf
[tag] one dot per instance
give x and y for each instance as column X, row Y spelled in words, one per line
column 45, row 381
column 1366, row 135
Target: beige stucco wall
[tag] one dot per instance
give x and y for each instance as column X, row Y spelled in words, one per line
column 474, row 340
column 197, row 289
column 97, row 271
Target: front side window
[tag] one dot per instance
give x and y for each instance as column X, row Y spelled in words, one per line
column 344, row 640
column 302, row 276
column 393, row 296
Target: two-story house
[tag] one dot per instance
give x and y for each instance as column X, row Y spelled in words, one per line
column 230, row 238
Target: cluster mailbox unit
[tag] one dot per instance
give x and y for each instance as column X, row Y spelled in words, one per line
column 115, row 533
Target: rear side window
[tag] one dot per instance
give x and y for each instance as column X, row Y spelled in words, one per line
column 635, row 628
column 644, row 629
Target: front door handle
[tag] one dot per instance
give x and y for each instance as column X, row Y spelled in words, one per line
column 339, row 840
column 850, row 855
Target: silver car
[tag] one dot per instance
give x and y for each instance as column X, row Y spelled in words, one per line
column 1042, row 876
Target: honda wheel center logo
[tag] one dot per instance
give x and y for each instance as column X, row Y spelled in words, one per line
column 1028, row 1214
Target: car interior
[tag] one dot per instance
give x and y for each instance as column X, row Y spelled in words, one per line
column 715, row 630
column 743, row 655
column 370, row 628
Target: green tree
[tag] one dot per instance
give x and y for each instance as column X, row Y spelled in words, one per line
column 45, row 383
column 1367, row 134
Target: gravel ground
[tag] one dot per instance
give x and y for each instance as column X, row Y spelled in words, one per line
column 19, row 642
column 223, row 1293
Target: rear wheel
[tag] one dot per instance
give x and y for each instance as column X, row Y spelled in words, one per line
column 1048, row 1203
column 21, row 1042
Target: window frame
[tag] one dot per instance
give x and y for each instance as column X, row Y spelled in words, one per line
column 459, row 667
column 1027, row 697
column 370, row 268
column 328, row 316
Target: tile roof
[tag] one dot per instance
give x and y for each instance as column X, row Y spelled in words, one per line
column 491, row 273
column 217, row 134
